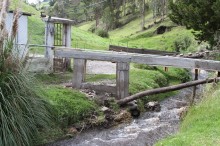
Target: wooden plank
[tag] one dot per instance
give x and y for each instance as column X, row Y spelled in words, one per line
column 154, row 60
column 99, row 88
column 93, row 55
column 122, row 80
column 138, row 50
column 79, row 73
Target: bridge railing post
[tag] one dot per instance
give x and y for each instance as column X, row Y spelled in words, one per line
column 122, row 80
column 79, row 70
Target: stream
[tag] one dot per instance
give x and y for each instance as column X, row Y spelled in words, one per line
column 148, row 129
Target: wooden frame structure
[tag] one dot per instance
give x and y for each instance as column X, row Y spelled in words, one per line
column 123, row 61
column 57, row 33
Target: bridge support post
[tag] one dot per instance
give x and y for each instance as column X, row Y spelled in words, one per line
column 79, row 73
column 122, row 80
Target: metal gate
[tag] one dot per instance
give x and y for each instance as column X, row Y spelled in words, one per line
column 58, row 37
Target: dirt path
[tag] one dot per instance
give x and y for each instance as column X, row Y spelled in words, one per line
column 100, row 67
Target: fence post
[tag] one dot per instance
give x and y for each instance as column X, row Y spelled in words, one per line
column 122, row 80
column 194, row 88
column 78, row 73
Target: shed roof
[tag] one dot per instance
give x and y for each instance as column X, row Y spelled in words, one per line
column 59, row 20
column 23, row 13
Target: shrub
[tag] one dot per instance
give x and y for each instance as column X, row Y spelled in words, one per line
column 102, row 33
column 182, row 43
column 22, row 110
column 144, row 66
column 92, row 28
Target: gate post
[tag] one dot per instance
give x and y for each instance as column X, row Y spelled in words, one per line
column 122, row 80
column 78, row 73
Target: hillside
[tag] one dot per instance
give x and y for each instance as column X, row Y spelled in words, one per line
column 128, row 35
column 131, row 36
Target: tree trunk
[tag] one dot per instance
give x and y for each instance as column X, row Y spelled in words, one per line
column 143, row 16
column 165, row 89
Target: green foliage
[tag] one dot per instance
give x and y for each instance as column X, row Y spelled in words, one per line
column 144, row 66
column 182, row 75
column 98, row 77
column 22, row 108
column 141, row 80
column 182, row 43
column 69, row 106
column 201, row 125
column 200, row 15
column 102, row 33
column 54, row 78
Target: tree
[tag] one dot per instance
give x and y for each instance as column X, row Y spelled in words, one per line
column 201, row 15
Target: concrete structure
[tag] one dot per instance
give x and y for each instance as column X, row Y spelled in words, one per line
column 22, row 35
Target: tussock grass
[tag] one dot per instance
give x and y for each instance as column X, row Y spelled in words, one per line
column 22, row 109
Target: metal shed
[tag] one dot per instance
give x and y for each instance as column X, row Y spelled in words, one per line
column 22, row 35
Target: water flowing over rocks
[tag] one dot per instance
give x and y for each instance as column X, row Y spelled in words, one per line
column 149, row 128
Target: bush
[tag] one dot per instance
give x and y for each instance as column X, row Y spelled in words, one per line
column 22, row 110
column 92, row 28
column 182, row 43
column 144, row 66
column 69, row 106
column 102, row 33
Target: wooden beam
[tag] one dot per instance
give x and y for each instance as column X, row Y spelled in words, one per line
column 79, row 73
column 164, row 90
column 154, row 60
column 122, row 80
column 138, row 50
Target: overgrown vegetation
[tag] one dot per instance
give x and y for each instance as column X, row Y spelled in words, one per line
column 23, row 110
column 201, row 125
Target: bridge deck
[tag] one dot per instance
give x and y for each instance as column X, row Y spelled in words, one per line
column 154, row 60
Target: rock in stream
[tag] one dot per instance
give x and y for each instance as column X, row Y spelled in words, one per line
column 149, row 128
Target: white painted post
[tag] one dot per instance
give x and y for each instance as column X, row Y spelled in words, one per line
column 67, row 41
column 122, row 80
column 49, row 39
column 79, row 73
column 68, row 35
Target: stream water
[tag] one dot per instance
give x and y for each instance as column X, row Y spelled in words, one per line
column 144, row 131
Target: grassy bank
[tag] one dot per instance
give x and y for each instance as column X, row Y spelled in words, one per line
column 201, row 125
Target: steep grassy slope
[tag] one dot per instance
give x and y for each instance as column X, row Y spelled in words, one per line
column 201, row 125
column 128, row 35
column 131, row 36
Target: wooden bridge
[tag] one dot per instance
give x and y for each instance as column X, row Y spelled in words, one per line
column 123, row 61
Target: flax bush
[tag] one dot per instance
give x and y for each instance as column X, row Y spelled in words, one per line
column 22, row 110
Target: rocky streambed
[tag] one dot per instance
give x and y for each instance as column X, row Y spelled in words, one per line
column 144, row 131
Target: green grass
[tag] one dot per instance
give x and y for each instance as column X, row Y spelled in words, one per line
column 99, row 77
column 131, row 36
column 54, row 78
column 70, row 106
column 201, row 125
column 128, row 35
column 142, row 79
